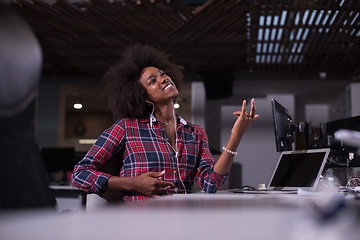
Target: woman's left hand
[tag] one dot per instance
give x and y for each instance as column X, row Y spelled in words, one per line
column 244, row 119
column 243, row 122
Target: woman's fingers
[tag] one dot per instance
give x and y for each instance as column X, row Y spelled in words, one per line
column 243, row 114
column 252, row 112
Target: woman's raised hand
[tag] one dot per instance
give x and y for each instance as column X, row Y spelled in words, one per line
column 244, row 119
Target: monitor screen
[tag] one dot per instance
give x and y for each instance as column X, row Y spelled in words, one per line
column 298, row 170
column 59, row 158
column 352, row 123
column 283, row 127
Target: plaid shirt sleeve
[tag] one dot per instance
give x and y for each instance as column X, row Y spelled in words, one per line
column 206, row 177
column 86, row 174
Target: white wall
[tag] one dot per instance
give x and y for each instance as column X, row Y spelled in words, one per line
column 355, row 99
column 317, row 113
column 198, row 103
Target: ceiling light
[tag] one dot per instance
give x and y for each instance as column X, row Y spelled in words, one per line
column 87, row 141
column 322, row 75
column 78, row 106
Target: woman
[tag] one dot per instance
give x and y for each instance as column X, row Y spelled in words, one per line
column 158, row 151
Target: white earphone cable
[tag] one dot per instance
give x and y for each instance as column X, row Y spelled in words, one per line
column 174, row 149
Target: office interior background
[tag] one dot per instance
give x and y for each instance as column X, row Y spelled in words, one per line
column 304, row 54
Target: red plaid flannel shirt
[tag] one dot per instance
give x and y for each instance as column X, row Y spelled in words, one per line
column 143, row 147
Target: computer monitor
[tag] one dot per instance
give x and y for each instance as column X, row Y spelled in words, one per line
column 351, row 123
column 59, row 158
column 339, row 155
column 283, row 127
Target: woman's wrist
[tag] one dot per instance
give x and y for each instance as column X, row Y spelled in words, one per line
column 233, row 141
column 120, row 183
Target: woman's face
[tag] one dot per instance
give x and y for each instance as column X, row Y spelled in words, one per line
column 159, row 86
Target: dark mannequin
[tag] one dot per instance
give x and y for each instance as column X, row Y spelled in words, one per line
column 23, row 176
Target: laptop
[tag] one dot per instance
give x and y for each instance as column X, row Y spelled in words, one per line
column 300, row 169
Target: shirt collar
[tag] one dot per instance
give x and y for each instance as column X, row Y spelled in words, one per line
column 183, row 121
column 153, row 119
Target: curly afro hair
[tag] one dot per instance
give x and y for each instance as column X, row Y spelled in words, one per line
column 126, row 95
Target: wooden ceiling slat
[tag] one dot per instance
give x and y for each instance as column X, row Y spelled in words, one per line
column 332, row 36
column 254, row 12
column 263, row 49
column 306, row 40
column 301, row 31
column 86, row 37
column 122, row 20
column 336, row 43
column 194, row 28
column 346, row 39
column 272, row 35
column 162, row 21
column 317, row 38
column 277, row 43
column 354, row 40
column 295, row 49
column 328, row 39
column 285, row 37
column 220, row 19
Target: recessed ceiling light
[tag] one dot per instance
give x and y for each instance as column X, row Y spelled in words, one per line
column 78, row 106
column 87, row 141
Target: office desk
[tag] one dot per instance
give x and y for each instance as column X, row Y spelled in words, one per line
column 197, row 216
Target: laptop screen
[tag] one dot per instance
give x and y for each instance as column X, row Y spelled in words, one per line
column 299, row 169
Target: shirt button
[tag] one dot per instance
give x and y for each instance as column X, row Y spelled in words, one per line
column 174, row 171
